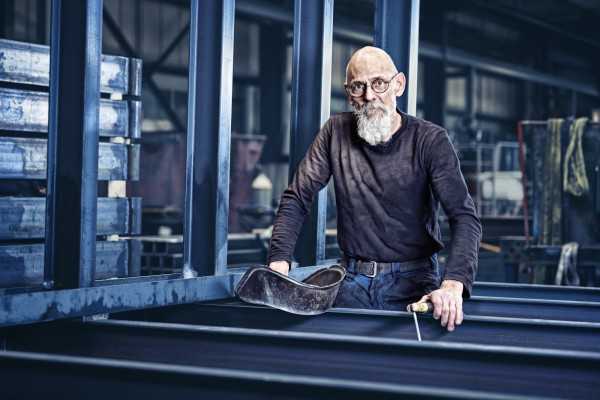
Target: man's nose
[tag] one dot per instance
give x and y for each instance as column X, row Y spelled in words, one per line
column 369, row 93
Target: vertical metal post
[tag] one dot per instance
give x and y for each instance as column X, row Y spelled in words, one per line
column 311, row 85
column 71, row 203
column 7, row 19
column 209, row 137
column 41, row 25
column 272, row 86
column 397, row 32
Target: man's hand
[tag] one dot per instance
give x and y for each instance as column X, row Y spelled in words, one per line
column 283, row 267
column 447, row 303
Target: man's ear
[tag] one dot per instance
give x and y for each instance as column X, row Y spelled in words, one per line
column 350, row 98
column 400, row 84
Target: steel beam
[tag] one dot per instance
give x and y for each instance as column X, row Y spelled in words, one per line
column 28, row 308
column 209, row 137
column 448, row 366
column 72, row 377
column 533, row 309
column 397, row 32
column 547, row 292
column 485, row 64
column 427, row 49
column 550, row 255
column 24, row 306
column 150, row 69
column 311, row 86
column 562, row 335
column 76, row 43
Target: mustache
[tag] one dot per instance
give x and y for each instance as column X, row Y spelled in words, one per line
column 367, row 108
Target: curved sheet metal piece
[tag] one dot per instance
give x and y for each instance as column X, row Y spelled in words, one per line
column 314, row 295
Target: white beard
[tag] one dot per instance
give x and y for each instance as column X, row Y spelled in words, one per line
column 372, row 128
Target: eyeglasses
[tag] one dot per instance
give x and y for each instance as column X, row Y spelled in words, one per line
column 357, row 89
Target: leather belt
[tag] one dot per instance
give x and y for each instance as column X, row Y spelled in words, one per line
column 373, row 268
column 368, row 268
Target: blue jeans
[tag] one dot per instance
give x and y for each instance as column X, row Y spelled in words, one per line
column 393, row 291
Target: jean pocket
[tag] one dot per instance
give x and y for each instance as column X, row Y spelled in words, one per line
column 427, row 277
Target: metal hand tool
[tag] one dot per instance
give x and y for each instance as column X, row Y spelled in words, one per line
column 422, row 308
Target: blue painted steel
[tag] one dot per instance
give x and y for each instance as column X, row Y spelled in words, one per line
column 209, row 137
column 28, row 308
column 558, row 335
column 533, row 309
column 311, row 84
column 76, row 43
column 450, row 366
column 29, row 305
column 72, row 377
column 397, row 32
column 548, row 292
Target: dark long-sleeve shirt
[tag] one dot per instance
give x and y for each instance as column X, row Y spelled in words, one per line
column 387, row 196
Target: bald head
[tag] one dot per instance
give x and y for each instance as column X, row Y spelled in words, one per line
column 367, row 59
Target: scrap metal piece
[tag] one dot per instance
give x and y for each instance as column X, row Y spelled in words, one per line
column 314, row 295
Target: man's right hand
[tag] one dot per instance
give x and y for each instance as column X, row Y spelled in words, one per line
column 283, row 267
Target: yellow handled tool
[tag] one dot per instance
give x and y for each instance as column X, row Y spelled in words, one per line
column 422, row 308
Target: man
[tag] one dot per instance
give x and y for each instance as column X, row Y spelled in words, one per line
column 391, row 172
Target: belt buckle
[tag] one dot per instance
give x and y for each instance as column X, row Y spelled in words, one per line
column 374, row 270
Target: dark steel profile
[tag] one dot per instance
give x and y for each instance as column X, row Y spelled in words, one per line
column 311, row 83
column 209, row 136
column 76, row 43
column 397, row 32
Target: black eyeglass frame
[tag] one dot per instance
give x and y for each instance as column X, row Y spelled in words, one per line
column 365, row 85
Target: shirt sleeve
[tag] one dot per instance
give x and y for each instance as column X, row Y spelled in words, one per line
column 449, row 187
column 312, row 175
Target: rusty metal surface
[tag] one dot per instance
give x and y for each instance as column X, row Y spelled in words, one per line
column 25, row 158
column 24, row 217
column 23, row 264
column 28, row 111
column 29, row 64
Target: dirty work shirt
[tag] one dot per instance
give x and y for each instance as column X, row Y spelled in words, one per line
column 387, row 196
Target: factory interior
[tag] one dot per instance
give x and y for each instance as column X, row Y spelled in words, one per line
column 144, row 149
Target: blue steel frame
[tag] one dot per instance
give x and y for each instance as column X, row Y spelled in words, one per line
column 207, row 181
column 311, row 85
column 76, row 44
column 209, row 137
column 397, row 32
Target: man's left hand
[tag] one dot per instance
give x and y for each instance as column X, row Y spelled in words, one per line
column 447, row 303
